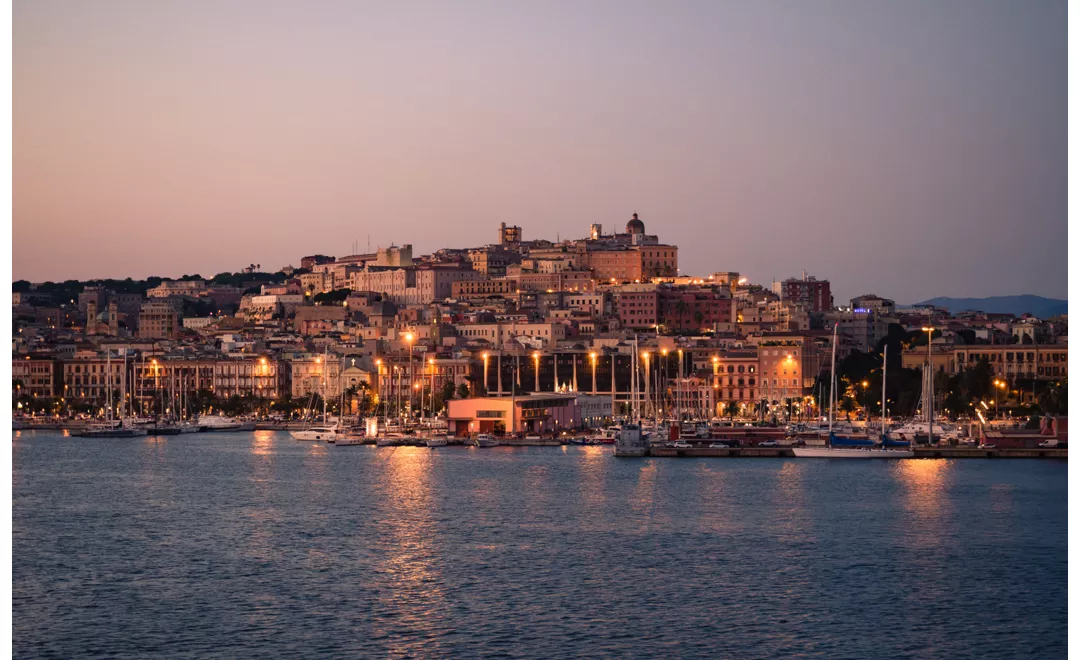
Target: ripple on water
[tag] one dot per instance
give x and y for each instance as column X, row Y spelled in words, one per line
column 247, row 545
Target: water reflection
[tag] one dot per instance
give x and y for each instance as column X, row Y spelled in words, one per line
column 925, row 482
column 792, row 521
column 409, row 539
column 643, row 502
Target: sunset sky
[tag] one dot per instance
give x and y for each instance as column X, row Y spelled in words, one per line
column 904, row 148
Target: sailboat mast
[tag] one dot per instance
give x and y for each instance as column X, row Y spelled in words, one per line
column 884, row 397
column 832, row 382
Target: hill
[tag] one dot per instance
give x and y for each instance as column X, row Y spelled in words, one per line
column 1018, row 305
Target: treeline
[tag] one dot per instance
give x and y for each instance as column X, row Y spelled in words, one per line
column 64, row 293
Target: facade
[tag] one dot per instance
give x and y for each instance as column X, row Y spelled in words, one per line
column 158, row 320
column 814, row 293
column 638, row 306
column 693, row 308
column 191, row 288
column 533, row 413
column 37, row 376
column 497, row 334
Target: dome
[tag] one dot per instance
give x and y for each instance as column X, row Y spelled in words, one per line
column 635, row 226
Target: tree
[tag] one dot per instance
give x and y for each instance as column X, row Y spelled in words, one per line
column 448, row 390
column 1055, row 398
column 463, row 391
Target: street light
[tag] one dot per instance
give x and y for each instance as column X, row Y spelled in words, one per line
column 485, row 356
column 592, row 358
column 536, row 362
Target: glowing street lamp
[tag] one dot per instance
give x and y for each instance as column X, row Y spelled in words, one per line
column 592, row 358
column 536, row 362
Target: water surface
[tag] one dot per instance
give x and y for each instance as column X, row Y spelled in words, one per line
column 253, row 544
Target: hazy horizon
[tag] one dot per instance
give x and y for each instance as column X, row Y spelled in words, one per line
column 911, row 150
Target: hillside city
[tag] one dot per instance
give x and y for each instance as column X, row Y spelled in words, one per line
column 556, row 328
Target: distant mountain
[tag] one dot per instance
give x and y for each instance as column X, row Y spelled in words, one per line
column 1026, row 304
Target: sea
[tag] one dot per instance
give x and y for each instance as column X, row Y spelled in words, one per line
column 255, row 545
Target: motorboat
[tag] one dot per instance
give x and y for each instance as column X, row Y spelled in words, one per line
column 317, row 433
column 349, row 440
column 436, row 441
column 486, row 440
column 219, row 423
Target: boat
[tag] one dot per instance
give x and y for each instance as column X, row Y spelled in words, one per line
column 607, row 436
column 486, row 440
column 114, row 429
column 324, row 432
column 219, row 423
column 436, row 442
column 317, row 433
column 111, row 430
column 632, row 441
column 349, row 440
column 390, row 440
column 163, row 429
column 848, row 446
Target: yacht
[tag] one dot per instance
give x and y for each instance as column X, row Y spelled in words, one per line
column 316, row 433
column 349, row 440
column 436, row 441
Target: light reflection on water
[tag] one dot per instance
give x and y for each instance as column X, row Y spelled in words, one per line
column 256, row 544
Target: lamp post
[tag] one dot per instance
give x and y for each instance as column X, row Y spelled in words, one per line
column 663, row 375
column 592, row 358
column 431, row 367
column 485, row 356
column 409, row 343
column 716, row 384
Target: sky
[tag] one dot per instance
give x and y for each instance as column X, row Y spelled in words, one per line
column 905, row 148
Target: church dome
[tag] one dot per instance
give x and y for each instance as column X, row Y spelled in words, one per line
column 635, row 226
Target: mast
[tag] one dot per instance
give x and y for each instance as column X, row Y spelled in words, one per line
column 322, row 383
column 109, row 384
column 832, row 383
column 929, row 388
column 884, row 391
column 123, row 390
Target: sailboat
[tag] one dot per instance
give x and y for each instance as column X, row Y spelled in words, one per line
column 111, row 429
column 324, row 431
column 632, row 441
column 847, row 446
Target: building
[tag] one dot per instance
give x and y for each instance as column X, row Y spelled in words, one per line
column 37, row 376
column 693, row 308
column 190, row 288
column 158, row 320
column 532, row 413
column 509, row 235
column 809, row 291
column 307, row 263
column 497, row 334
column 878, row 305
column 638, row 306
column 736, row 380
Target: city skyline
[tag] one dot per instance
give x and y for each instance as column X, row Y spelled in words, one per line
column 902, row 150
